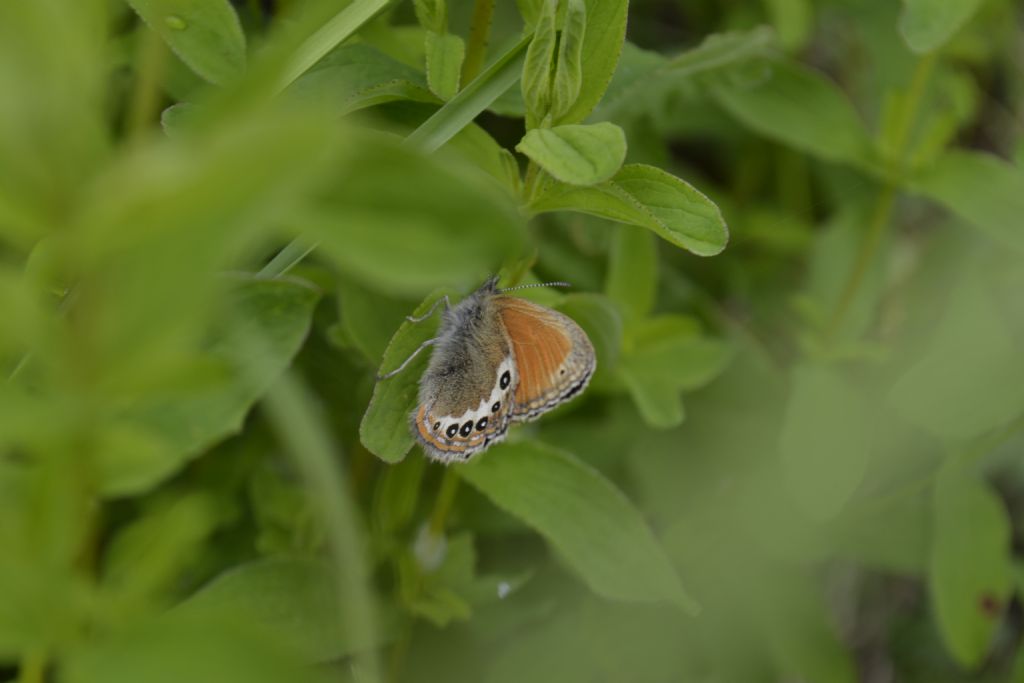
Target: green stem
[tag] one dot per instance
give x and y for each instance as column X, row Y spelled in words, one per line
column 479, row 34
column 152, row 57
column 444, row 501
column 883, row 207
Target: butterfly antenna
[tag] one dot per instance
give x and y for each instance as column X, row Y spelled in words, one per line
column 538, row 284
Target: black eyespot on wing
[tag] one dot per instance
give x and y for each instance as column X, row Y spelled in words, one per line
column 467, row 428
column 437, row 425
column 452, row 430
column 496, row 407
column 506, row 379
column 481, row 424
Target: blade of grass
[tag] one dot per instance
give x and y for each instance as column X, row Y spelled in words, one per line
column 333, row 33
column 460, row 111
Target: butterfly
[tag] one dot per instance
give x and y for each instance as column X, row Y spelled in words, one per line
column 497, row 359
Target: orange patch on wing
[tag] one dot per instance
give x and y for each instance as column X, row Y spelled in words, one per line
column 539, row 343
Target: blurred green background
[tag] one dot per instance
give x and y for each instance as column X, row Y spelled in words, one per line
column 802, row 455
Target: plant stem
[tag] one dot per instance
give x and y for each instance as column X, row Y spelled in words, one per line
column 443, row 503
column 479, row 33
column 883, row 207
column 152, row 57
column 287, row 258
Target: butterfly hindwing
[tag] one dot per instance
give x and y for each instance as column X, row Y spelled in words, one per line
column 451, row 438
column 553, row 356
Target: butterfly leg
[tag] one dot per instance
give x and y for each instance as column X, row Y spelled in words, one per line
column 429, row 313
column 407, row 360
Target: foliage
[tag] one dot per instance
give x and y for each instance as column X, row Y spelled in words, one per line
column 800, row 457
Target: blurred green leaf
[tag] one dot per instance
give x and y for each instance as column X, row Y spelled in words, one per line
column 644, row 77
column 982, row 189
column 928, row 24
column 649, row 197
column 445, row 52
column 441, row 225
column 632, row 280
column 969, row 378
column 587, row 520
column 602, row 323
column 969, row 571
column 185, row 425
column 369, row 318
column 432, row 14
column 204, row 33
column 825, row 441
column 356, row 76
column 197, row 647
column 568, row 77
column 799, row 107
column 384, row 429
column 295, row 599
column 397, row 494
column 665, row 356
column 577, row 154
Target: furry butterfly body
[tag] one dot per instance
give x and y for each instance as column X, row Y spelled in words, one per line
column 498, row 359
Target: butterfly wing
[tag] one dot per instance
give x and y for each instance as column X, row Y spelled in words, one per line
column 554, row 359
column 467, row 392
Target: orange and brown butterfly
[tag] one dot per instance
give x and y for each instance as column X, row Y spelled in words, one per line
column 497, row 359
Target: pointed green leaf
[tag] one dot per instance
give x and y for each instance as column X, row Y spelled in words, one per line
column 589, row 522
column 651, row 198
column 602, row 45
column 577, row 154
column 799, row 107
column 969, row 571
column 825, row 440
column 204, row 33
column 432, row 14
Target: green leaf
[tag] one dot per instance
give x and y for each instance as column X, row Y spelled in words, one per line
column 577, row 154
column 982, row 189
column 632, row 280
column 825, row 440
column 443, row 223
column 602, row 44
column 568, row 78
column 540, row 57
column 665, row 356
column 793, row 20
column 649, row 197
column 970, row 377
column 357, row 76
column 384, row 429
column 295, row 599
column 927, row 25
column 603, row 325
column 799, row 107
column 163, row 432
column 445, row 52
column 154, row 650
column 969, row 571
column 204, row 33
column 644, row 77
column 584, row 517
